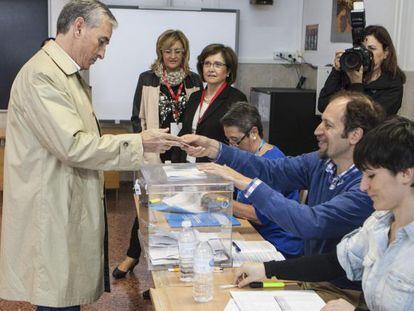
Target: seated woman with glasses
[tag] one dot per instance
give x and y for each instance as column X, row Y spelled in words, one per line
column 160, row 100
column 379, row 253
column 243, row 128
column 217, row 65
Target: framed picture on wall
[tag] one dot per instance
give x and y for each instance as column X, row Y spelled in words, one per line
column 341, row 20
column 311, row 37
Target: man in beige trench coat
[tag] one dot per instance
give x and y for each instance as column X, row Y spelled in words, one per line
column 51, row 251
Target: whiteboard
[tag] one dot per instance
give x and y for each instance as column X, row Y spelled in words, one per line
column 132, row 51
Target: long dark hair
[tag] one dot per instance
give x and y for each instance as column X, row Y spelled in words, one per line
column 389, row 65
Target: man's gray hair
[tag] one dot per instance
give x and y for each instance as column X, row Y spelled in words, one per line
column 90, row 10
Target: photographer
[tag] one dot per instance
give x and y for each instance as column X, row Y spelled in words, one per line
column 383, row 83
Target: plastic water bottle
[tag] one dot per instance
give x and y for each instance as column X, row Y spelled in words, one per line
column 187, row 243
column 203, row 273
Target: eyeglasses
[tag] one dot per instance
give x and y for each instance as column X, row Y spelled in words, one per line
column 177, row 52
column 237, row 142
column 216, row 65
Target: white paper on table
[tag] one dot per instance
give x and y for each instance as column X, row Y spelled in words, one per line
column 161, row 241
column 231, row 306
column 255, row 251
column 157, row 253
column 162, row 262
column 280, row 300
column 163, row 247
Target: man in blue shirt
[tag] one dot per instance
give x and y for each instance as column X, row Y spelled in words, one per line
column 335, row 206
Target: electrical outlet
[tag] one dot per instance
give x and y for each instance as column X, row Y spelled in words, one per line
column 289, row 57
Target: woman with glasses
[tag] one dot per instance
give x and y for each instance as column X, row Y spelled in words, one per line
column 160, row 100
column 243, row 129
column 217, row 65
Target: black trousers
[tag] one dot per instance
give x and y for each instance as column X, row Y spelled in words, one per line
column 107, row 284
column 134, row 250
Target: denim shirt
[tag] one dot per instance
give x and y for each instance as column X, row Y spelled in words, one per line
column 386, row 271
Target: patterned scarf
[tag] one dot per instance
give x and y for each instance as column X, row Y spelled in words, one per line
column 174, row 77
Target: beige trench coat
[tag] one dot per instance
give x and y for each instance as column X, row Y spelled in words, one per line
column 53, row 218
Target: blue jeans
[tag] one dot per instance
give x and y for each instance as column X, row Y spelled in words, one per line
column 73, row 308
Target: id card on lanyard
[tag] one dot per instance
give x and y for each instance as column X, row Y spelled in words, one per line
column 175, row 127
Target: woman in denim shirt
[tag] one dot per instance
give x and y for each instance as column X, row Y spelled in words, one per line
column 380, row 252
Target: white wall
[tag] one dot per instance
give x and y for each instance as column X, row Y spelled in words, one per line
column 380, row 12
column 263, row 29
column 280, row 27
column 405, row 34
column 395, row 15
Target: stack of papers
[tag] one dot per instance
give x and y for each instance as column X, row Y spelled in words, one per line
column 163, row 247
column 281, row 300
column 254, row 251
column 163, row 239
column 164, row 256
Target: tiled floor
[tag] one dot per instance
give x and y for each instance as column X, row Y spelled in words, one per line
column 125, row 294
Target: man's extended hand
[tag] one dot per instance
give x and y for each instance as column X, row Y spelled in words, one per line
column 158, row 140
column 200, row 146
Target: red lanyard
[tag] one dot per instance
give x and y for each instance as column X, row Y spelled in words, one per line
column 203, row 95
column 175, row 97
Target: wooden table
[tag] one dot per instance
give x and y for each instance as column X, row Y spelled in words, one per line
column 172, row 294
column 181, row 299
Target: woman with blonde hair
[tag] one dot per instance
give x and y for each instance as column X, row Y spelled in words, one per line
column 163, row 91
column 160, row 100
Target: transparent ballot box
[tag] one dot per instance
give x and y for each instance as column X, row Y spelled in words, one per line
column 171, row 193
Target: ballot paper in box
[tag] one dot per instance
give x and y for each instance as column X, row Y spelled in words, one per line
column 170, row 192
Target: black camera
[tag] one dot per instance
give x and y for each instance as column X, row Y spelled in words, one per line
column 358, row 55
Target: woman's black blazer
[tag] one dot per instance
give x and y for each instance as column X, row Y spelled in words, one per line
column 210, row 125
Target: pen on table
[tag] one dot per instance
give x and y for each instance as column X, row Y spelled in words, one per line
column 236, row 247
column 266, row 284
column 177, row 269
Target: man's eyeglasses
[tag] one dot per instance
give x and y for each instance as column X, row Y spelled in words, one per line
column 216, row 65
column 177, row 52
column 236, row 142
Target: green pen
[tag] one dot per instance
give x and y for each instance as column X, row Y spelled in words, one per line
column 266, row 284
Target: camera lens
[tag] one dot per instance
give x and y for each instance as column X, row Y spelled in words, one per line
column 351, row 60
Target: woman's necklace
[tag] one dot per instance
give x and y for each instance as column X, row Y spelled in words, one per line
column 262, row 143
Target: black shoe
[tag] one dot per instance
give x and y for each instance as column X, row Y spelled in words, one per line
column 119, row 274
column 146, row 295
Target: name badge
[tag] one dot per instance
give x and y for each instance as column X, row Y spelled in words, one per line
column 175, row 128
